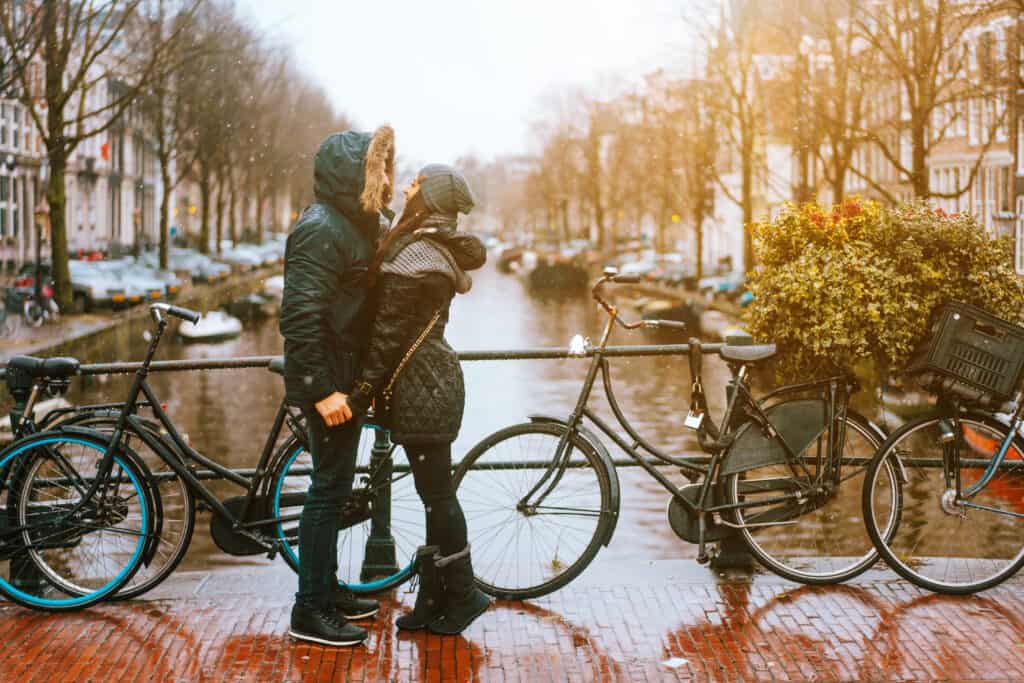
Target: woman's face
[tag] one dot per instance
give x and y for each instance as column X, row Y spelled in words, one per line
column 412, row 189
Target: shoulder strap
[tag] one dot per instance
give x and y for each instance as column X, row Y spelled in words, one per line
column 412, row 350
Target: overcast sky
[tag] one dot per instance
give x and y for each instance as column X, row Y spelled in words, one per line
column 458, row 76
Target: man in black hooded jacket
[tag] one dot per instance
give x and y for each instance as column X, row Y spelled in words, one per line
column 325, row 321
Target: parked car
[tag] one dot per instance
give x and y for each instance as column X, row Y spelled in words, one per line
column 90, row 288
column 241, row 257
column 199, row 267
column 172, row 283
column 140, row 284
column 717, row 285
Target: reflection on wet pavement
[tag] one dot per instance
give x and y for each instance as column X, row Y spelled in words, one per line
column 235, row 629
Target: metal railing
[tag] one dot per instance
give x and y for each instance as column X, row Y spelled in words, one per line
column 379, row 557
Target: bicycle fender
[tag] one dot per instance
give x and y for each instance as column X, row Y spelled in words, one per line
column 799, row 423
column 606, row 458
column 149, row 550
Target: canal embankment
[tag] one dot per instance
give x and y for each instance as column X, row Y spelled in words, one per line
column 84, row 336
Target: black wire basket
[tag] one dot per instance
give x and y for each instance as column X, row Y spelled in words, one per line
column 970, row 354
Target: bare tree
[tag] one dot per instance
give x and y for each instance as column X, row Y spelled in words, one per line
column 98, row 59
column 23, row 39
column 917, row 54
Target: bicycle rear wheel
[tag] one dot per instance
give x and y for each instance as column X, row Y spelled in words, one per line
column 366, row 563
column 819, row 539
column 941, row 543
column 61, row 548
column 521, row 548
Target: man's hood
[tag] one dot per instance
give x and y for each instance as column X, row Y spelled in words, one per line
column 348, row 171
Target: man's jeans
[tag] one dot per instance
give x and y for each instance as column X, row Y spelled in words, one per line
column 334, row 452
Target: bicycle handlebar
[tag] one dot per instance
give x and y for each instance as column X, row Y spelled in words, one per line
column 612, row 275
column 177, row 311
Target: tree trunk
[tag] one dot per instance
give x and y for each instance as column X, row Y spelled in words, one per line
column 204, row 198
column 165, row 210
column 57, row 198
column 233, row 207
column 220, row 213
column 698, row 229
column 259, row 213
column 919, row 176
column 747, row 202
column 273, row 210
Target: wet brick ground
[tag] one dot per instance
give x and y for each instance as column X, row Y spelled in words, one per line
column 666, row 622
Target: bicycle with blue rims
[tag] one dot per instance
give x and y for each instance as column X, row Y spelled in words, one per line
column 380, row 525
column 958, row 503
column 76, row 515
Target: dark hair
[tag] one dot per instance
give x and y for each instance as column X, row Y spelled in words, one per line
column 412, row 217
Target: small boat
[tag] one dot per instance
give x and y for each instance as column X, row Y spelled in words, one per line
column 252, row 307
column 212, row 327
column 273, row 287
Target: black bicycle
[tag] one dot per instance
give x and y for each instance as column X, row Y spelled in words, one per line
column 543, row 496
column 84, row 480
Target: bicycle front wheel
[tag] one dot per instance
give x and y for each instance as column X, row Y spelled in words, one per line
column 796, row 529
column 371, row 556
column 943, row 542
column 174, row 514
column 72, row 535
column 529, row 543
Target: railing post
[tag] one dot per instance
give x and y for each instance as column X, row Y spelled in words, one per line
column 379, row 555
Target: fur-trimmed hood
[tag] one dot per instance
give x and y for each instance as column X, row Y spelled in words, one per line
column 348, row 172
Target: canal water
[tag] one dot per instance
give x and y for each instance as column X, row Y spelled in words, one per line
column 227, row 413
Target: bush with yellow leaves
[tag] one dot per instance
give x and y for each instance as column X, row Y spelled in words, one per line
column 858, row 282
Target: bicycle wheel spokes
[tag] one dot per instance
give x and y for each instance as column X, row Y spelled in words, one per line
column 818, row 537
column 943, row 543
column 71, row 548
column 406, row 519
column 528, row 546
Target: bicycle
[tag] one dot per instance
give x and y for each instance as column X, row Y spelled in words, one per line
column 10, row 321
column 263, row 520
column 543, row 496
column 958, row 500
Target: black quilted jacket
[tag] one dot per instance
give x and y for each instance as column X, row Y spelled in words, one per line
column 429, row 395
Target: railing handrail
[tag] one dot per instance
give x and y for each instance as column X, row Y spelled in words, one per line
column 539, row 353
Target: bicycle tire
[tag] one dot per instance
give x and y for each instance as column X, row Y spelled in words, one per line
column 944, row 525
column 477, row 494
column 174, row 508
column 26, row 458
column 33, row 313
column 818, row 548
column 407, row 526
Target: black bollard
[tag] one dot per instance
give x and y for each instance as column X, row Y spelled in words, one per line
column 379, row 555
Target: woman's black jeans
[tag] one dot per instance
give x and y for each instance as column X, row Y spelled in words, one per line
column 432, row 471
column 334, row 451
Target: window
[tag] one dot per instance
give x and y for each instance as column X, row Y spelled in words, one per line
column 1005, row 189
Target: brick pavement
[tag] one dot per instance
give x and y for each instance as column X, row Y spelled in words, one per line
column 689, row 628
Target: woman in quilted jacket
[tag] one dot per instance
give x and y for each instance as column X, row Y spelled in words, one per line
column 418, row 269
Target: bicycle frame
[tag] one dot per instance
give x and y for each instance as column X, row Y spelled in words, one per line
column 839, row 390
column 183, row 455
column 991, row 468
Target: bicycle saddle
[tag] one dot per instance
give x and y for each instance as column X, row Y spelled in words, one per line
column 54, row 368
column 276, row 365
column 747, row 354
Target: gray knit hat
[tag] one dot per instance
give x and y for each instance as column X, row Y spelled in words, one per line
column 445, row 190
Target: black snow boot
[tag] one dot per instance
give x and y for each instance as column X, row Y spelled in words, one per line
column 428, row 599
column 463, row 601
